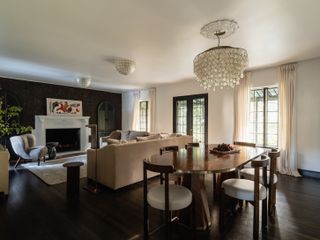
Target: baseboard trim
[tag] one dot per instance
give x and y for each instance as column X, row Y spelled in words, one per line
column 310, row 174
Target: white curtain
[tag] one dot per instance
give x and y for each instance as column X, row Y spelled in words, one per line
column 242, row 109
column 135, row 111
column 144, row 95
column 287, row 120
column 152, row 110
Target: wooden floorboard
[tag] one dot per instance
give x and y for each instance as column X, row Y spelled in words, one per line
column 36, row 211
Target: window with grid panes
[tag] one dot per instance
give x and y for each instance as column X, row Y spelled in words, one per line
column 181, row 117
column 264, row 117
column 143, row 116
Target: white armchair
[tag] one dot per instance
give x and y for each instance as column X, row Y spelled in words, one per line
column 24, row 147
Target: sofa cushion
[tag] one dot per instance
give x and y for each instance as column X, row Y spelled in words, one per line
column 164, row 135
column 128, row 141
column 111, row 141
column 146, row 138
column 38, row 152
column 135, row 134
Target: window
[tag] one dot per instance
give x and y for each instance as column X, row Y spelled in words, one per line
column 143, row 116
column 264, row 117
column 181, row 117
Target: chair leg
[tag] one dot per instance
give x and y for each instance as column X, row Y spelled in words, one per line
column 272, row 199
column 264, row 213
column 221, row 212
column 256, row 220
column 38, row 161
column 17, row 163
column 145, row 221
column 240, row 203
column 168, row 223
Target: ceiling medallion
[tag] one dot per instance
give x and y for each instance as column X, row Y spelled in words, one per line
column 125, row 66
column 220, row 66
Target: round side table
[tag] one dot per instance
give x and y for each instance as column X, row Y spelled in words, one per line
column 73, row 177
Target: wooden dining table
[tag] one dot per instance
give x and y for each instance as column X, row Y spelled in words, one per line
column 195, row 163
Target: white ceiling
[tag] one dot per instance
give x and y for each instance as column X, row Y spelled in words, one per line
column 56, row 41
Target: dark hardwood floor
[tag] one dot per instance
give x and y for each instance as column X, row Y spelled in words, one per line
column 36, row 211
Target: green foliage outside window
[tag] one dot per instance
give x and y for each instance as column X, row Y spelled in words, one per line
column 9, row 124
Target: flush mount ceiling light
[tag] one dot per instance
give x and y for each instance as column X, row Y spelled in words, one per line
column 220, row 66
column 83, row 81
column 125, row 66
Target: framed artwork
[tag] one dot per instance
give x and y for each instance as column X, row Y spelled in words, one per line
column 64, row 107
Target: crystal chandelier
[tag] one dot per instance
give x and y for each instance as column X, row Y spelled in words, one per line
column 125, row 66
column 220, row 66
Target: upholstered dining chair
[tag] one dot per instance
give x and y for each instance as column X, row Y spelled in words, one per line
column 176, row 178
column 191, row 145
column 166, row 197
column 167, row 149
column 246, row 144
column 251, row 191
column 272, row 179
column 24, row 147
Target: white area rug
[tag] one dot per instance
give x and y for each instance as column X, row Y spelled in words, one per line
column 52, row 172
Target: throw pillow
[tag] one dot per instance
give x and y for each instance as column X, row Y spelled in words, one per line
column 111, row 141
column 134, row 134
column 115, row 134
column 25, row 142
column 124, row 135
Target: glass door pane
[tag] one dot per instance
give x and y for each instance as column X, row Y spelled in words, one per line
column 198, row 120
column 181, row 117
column 190, row 116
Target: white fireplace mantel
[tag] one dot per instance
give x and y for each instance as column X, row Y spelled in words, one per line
column 57, row 122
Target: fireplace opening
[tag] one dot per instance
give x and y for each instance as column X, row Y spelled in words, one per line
column 68, row 138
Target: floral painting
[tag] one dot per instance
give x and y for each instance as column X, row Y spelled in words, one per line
column 64, row 107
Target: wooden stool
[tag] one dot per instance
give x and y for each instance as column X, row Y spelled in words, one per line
column 73, row 176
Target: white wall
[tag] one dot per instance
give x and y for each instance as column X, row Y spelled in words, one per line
column 128, row 105
column 127, row 110
column 220, row 109
column 264, row 77
column 307, row 107
column 221, row 114
column 308, row 114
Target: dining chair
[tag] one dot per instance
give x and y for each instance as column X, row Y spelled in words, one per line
column 166, row 197
column 251, row 191
column 191, row 145
column 246, row 144
column 167, row 149
column 218, row 178
column 272, row 179
column 176, row 178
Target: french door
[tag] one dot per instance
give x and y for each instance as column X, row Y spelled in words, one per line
column 190, row 116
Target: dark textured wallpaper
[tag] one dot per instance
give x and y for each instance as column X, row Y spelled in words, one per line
column 32, row 97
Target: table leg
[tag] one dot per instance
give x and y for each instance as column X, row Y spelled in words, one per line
column 73, row 175
column 202, row 216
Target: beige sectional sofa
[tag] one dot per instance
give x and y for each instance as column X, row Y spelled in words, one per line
column 120, row 165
